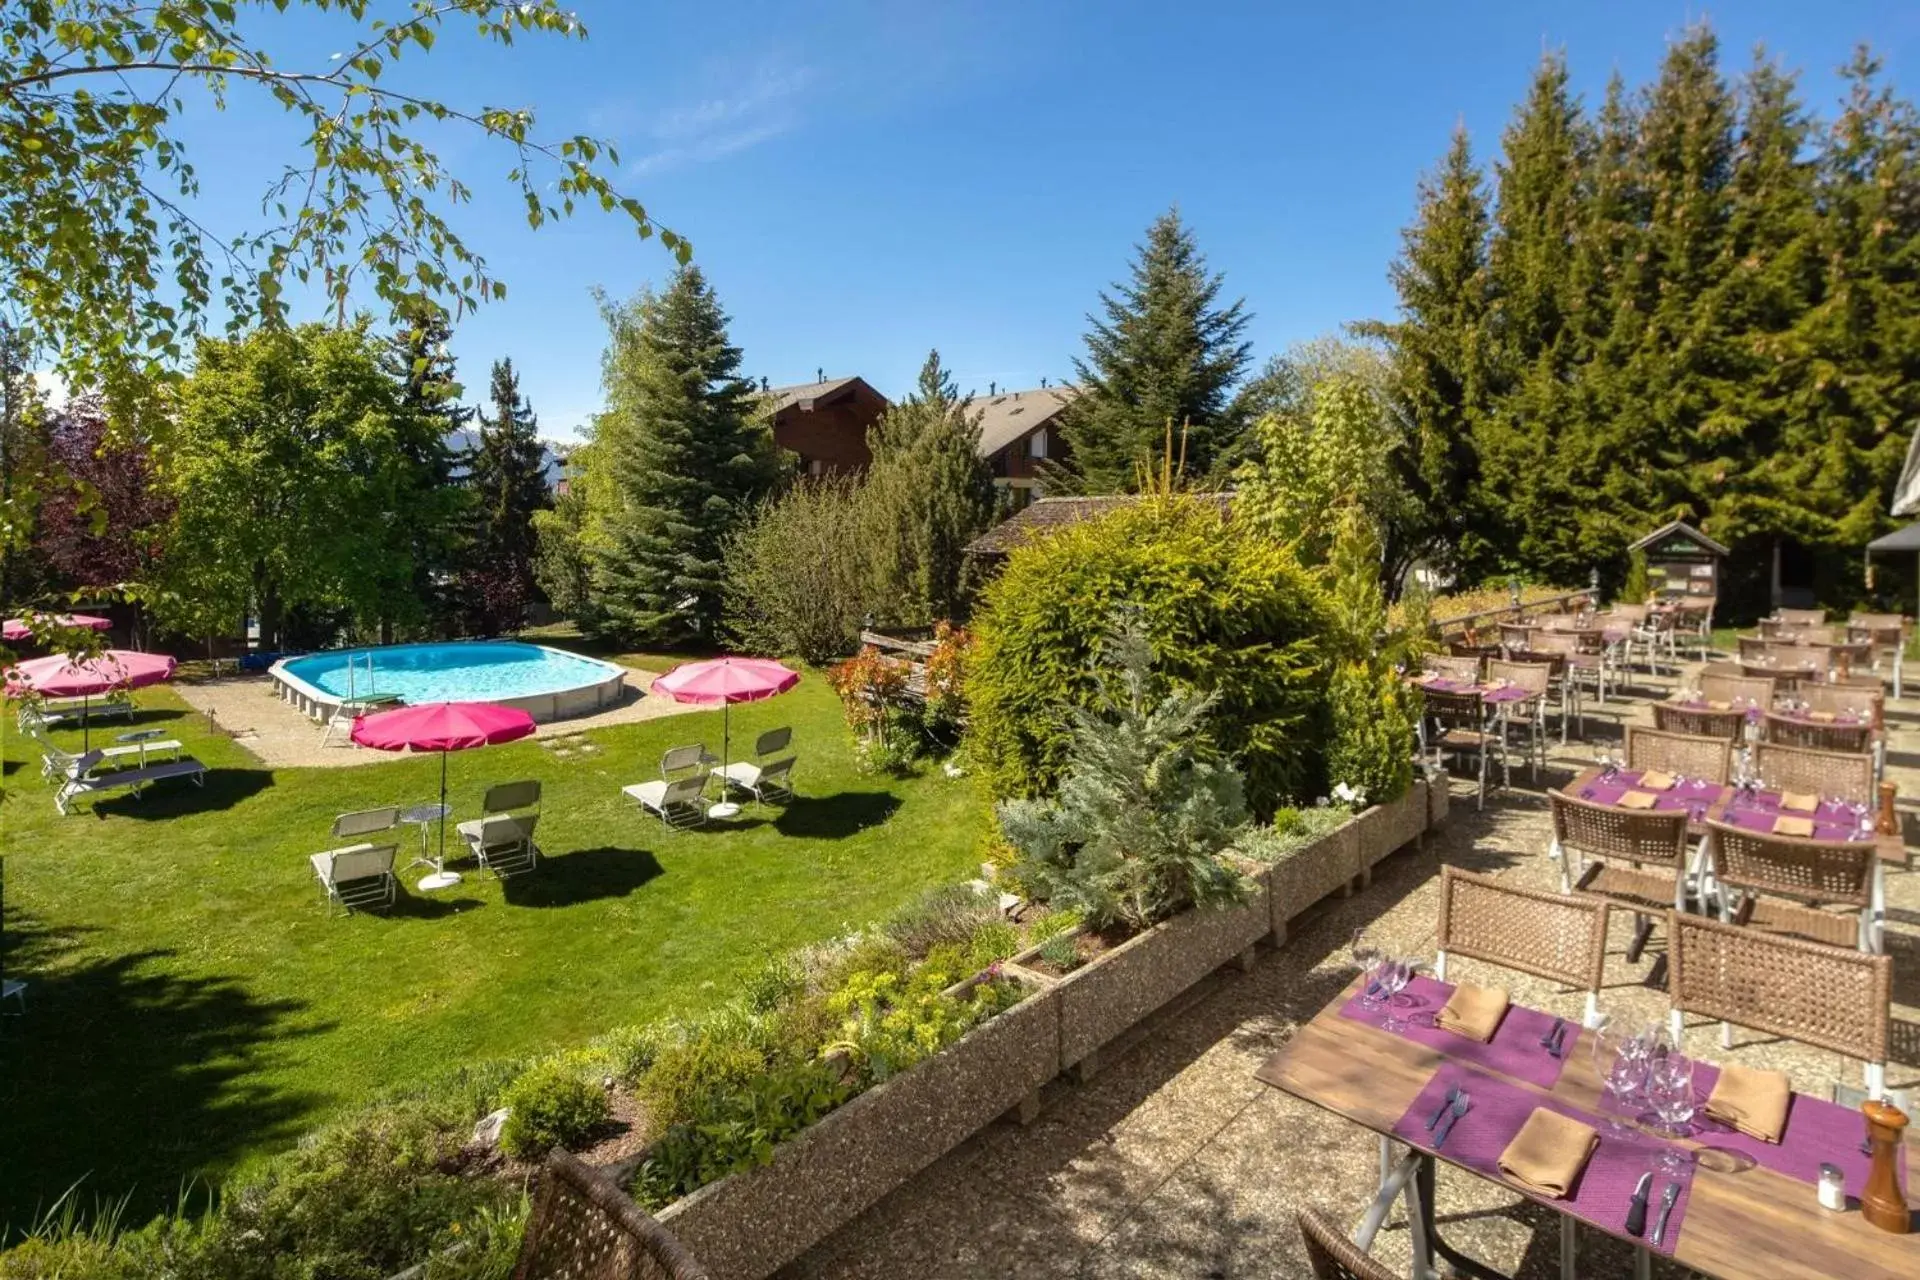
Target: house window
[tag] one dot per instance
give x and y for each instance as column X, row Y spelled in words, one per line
column 815, row 467
column 1037, row 444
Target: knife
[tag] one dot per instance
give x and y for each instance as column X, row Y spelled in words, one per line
column 1441, row 1110
column 1559, row 1046
column 1637, row 1207
column 1667, row 1198
column 1546, row 1041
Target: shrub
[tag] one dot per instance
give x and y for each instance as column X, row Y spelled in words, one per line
column 946, row 673
column 553, row 1105
column 1637, row 586
column 737, row 1128
column 718, row 1055
column 946, row 914
column 1062, row 951
column 1145, row 809
column 797, row 574
column 1229, row 612
column 1290, row 831
column 1370, row 709
column 628, row 1051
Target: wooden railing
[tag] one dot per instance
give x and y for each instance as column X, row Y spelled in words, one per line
column 1564, row 602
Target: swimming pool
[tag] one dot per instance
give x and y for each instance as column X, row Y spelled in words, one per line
column 548, row 684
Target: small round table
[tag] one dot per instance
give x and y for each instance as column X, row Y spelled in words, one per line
column 140, row 738
column 423, row 816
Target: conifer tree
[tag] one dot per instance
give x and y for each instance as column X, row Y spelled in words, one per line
column 432, row 419
column 1439, row 351
column 509, row 484
column 1162, row 351
column 686, row 454
column 930, row 493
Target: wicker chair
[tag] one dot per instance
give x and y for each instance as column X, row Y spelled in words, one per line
column 1516, row 635
column 1463, row 723
column 1820, row 634
column 1332, row 1255
column 1680, row 754
column 1462, row 648
column 584, row 1227
column 1755, row 648
column 1800, row 617
column 1561, row 651
column 1638, row 860
column 1829, row 997
column 1529, row 716
column 1549, row 935
column 1737, row 690
column 1824, row 773
column 1788, row 731
column 1453, row 666
column 1808, row 661
column 1783, row 681
column 1699, row 722
column 1810, row 874
column 1885, row 635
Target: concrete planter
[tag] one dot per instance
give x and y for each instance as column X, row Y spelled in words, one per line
column 1387, row 828
column 1119, row 988
column 1326, row 866
column 1439, row 796
column 750, row 1224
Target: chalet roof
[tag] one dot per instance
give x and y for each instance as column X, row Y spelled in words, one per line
column 808, row 394
column 1006, row 417
column 1907, row 539
column 1680, row 528
column 1045, row 515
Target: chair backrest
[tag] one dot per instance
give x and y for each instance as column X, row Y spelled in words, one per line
column 1737, row 690
column 772, row 742
column 1877, row 638
column 1558, row 643
column 1514, row 635
column 1837, row 871
column 1624, row 612
column 357, row 862
column 1558, row 937
column 1792, row 732
column 677, row 759
column 1803, row 657
column 504, row 829
column 687, row 790
column 1754, row 649
column 1878, row 621
column 1606, row 831
column 1824, row 773
column 365, row 822
column 1453, row 666
column 1534, row 677
column 1332, row 1255
column 1821, row 634
column 1698, row 722
column 81, row 765
column 776, row 770
column 1456, row 710
column 1681, row 754
column 1829, row 997
column 511, row 795
column 1783, row 681
column 585, row 1227
column 1800, row 617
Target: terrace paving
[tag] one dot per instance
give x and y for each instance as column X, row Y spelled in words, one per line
column 1175, row 1162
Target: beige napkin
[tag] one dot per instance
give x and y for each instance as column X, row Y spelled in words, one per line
column 1752, row 1101
column 1655, row 780
column 1638, row 800
column 1799, row 801
column 1546, row 1156
column 1791, row 826
column 1823, row 717
column 1473, row 1012
column 1719, row 704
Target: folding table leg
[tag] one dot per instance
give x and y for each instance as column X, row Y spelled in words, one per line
column 1567, row 1250
column 1642, row 1263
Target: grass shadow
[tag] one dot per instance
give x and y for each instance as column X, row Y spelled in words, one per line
column 585, row 875
column 835, row 817
column 171, row 797
column 164, row 1064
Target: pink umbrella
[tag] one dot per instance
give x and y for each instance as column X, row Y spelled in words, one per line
column 17, row 628
column 726, row 681
column 57, row 676
column 442, row 727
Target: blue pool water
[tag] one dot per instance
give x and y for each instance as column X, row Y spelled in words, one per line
column 468, row 671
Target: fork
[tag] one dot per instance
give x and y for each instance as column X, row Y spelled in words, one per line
column 1461, row 1105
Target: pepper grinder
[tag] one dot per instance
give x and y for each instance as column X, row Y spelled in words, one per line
column 1881, row 1203
column 1889, row 824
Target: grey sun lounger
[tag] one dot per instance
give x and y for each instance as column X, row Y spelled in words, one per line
column 85, row 776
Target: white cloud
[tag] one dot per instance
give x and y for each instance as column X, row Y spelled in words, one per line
column 765, row 107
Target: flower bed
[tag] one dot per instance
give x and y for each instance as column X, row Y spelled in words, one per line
column 1300, row 876
column 752, row 1223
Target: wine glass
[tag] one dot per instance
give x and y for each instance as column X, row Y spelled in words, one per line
column 1862, row 820
column 1620, row 1068
column 1670, row 1091
column 1367, row 955
column 1394, row 973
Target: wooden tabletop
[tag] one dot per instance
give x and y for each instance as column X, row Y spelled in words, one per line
column 1751, row 1225
column 1891, row 848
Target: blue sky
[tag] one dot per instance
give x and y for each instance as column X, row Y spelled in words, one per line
column 862, row 181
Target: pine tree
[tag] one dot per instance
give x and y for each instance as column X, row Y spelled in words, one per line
column 508, row 479
column 687, row 456
column 432, row 418
column 1439, row 351
column 1165, row 352
column 930, row 493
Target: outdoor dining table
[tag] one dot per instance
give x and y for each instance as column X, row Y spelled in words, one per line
column 1498, row 694
column 1748, row 1211
column 1755, row 811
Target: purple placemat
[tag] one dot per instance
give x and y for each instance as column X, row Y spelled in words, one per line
column 1818, row 1132
column 1753, row 714
column 1679, row 797
column 1604, row 1188
column 1830, row 821
column 1514, row 1050
column 1488, row 694
column 1447, row 684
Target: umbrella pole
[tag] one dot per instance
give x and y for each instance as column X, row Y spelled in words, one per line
column 86, row 722
column 440, row 863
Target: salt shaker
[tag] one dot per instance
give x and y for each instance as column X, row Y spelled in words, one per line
column 1833, row 1187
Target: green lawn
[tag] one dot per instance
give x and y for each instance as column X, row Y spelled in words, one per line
column 193, row 1005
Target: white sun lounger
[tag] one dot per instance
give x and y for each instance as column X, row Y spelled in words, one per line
column 766, row 776
column 52, row 711
column 680, row 802
column 54, row 760
column 84, row 776
column 358, row 877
